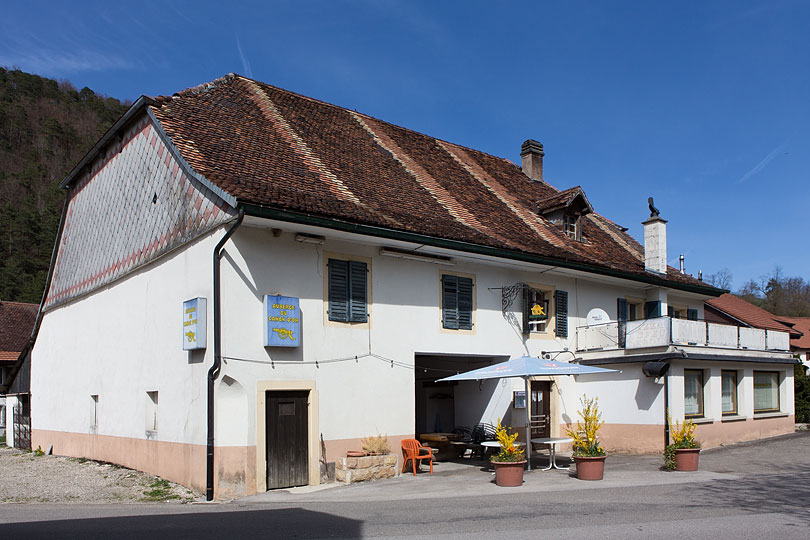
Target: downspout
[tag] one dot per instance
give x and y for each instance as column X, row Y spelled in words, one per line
column 213, row 373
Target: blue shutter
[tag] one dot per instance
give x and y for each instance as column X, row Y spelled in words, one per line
column 465, row 303
column 652, row 309
column 692, row 314
column 450, row 302
column 358, row 274
column 338, row 290
column 561, row 313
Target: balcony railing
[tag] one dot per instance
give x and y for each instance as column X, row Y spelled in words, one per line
column 663, row 331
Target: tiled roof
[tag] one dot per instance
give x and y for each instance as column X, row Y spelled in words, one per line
column 16, row 323
column 560, row 200
column 747, row 312
column 800, row 324
column 277, row 149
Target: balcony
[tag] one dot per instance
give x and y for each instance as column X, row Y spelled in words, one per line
column 665, row 331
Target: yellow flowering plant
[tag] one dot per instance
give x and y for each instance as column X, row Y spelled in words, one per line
column 683, row 436
column 586, row 440
column 509, row 451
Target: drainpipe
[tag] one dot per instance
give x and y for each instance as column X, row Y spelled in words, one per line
column 213, row 373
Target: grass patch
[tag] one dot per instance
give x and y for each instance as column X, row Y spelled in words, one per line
column 2, row 440
column 160, row 490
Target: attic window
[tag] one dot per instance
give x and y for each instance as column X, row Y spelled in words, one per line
column 571, row 227
column 565, row 209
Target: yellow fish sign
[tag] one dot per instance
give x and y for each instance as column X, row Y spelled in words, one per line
column 538, row 313
column 190, row 337
column 284, row 333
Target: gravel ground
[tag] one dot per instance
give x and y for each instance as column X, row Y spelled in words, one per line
column 27, row 478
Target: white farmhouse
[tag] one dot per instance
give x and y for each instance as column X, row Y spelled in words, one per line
column 248, row 282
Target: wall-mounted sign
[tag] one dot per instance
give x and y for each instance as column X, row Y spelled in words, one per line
column 519, row 399
column 282, row 321
column 194, row 313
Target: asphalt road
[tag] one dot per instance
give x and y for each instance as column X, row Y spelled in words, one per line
column 757, row 491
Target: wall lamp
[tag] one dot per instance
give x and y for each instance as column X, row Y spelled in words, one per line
column 309, row 239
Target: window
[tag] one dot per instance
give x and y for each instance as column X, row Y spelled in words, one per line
column 347, row 291
column 766, row 391
column 571, row 227
column 151, row 411
column 457, row 302
column 536, row 309
column 692, row 393
column 676, row 312
column 729, row 392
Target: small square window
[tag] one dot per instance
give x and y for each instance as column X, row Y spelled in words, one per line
column 766, row 391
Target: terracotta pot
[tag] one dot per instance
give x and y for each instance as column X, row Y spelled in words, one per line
column 509, row 473
column 686, row 459
column 355, row 453
column 590, row 468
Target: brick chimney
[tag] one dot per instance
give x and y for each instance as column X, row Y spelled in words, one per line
column 532, row 153
column 655, row 244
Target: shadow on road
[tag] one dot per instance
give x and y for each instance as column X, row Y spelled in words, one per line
column 282, row 523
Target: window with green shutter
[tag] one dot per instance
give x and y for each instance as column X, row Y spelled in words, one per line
column 347, row 291
column 457, row 302
column 561, row 313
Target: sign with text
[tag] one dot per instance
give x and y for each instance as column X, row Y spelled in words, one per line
column 282, row 321
column 194, row 313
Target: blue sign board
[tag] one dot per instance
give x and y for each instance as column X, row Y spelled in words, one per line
column 194, row 331
column 282, row 321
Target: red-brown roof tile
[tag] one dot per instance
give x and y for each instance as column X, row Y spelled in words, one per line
column 271, row 147
column 800, row 324
column 16, row 323
column 747, row 312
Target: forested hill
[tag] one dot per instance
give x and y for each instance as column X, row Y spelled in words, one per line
column 46, row 127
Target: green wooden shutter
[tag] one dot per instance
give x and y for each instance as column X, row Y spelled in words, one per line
column 465, row 303
column 358, row 274
column 450, row 302
column 338, row 290
column 561, row 313
column 692, row 314
column 652, row 309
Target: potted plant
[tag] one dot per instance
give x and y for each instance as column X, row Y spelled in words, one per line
column 589, row 456
column 683, row 453
column 510, row 461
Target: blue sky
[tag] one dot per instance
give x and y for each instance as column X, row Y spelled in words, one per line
column 704, row 105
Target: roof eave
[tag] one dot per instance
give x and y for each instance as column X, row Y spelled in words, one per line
column 382, row 232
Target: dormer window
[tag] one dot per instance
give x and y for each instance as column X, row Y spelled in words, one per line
column 565, row 209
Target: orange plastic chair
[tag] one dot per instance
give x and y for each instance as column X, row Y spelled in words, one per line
column 415, row 453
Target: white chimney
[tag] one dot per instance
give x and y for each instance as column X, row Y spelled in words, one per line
column 655, row 245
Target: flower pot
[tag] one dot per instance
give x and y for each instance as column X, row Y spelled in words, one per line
column 590, row 468
column 686, row 459
column 355, row 453
column 509, row 473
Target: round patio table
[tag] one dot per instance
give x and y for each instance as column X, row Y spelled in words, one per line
column 552, row 443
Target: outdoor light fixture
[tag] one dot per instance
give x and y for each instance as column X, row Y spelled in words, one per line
column 309, row 239
column 412, row 256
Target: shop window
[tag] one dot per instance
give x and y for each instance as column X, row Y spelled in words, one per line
column 766, row 391
column 729, row 392
column 693, row 393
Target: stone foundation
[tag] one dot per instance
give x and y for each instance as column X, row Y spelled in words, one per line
column 349, row 470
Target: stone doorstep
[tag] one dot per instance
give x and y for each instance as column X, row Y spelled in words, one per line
column 349, row 470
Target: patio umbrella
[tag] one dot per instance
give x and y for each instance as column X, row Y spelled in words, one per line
column 525, row 367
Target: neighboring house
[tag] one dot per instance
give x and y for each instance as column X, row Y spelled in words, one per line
column 730, row 309
column 16, row 325
column 248, row 282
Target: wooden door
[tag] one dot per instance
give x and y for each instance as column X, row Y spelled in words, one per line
column 541, row 409
column 287, row 439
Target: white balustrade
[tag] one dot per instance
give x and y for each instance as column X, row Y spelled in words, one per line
column 777, row 341
column 752, row 338
column 723, row 335
column 598, row 336
column 648, row 333
column 687, row 332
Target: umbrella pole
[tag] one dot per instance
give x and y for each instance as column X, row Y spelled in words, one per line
column 528, row 423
